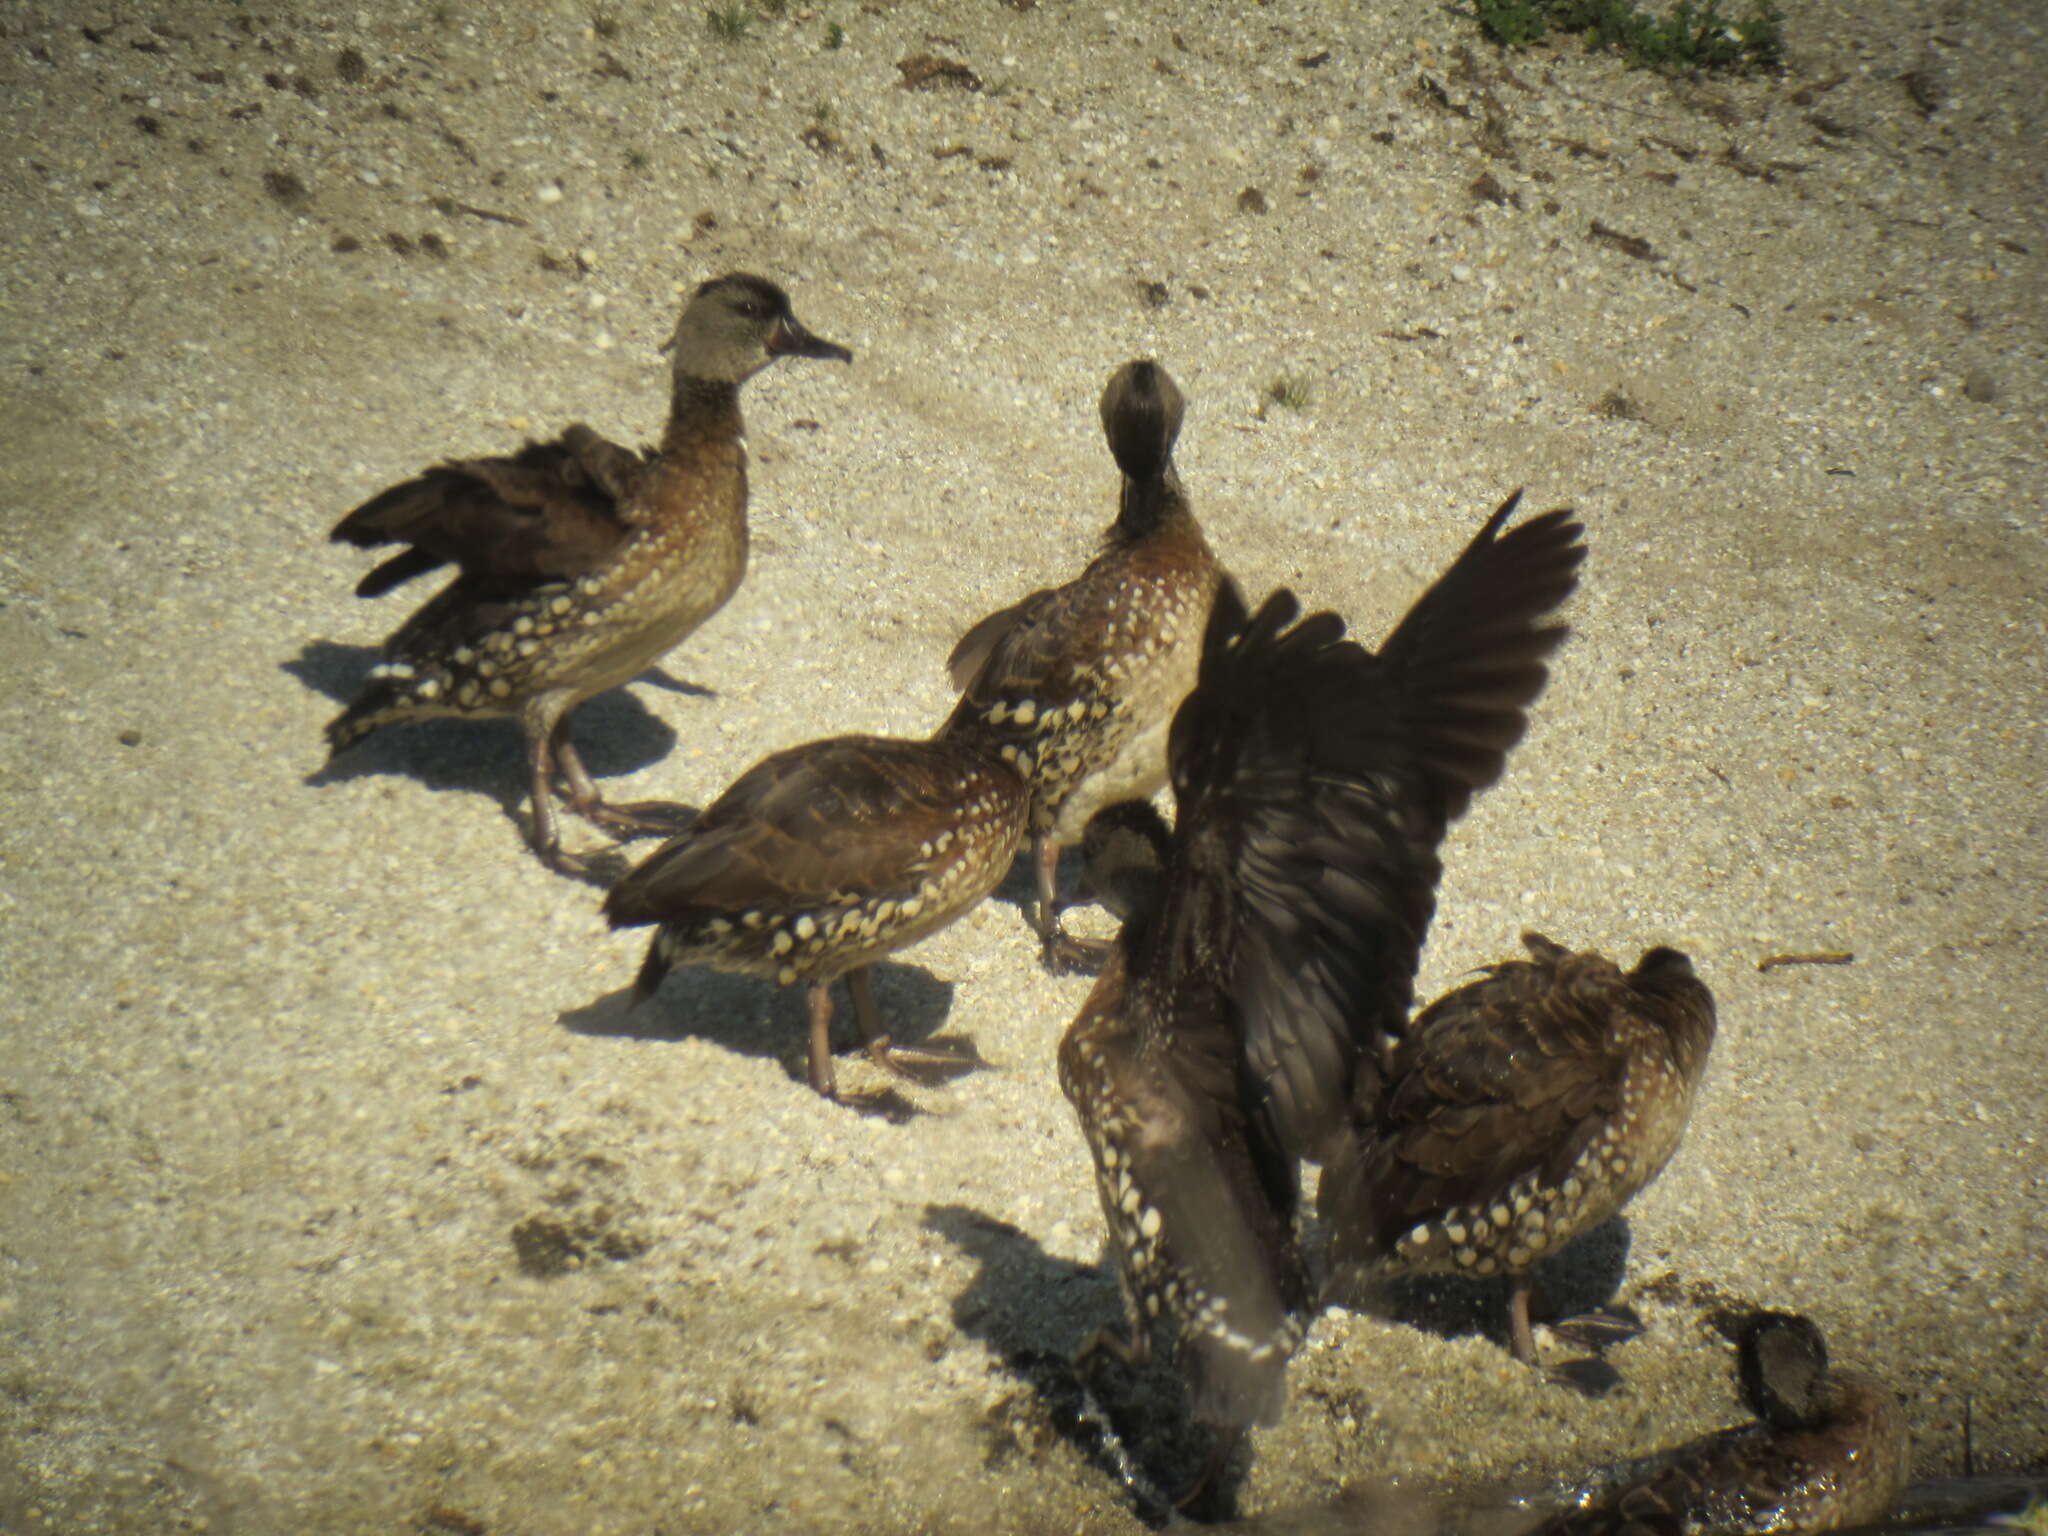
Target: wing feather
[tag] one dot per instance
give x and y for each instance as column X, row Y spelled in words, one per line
column 852, row 814
column 551, row 512
column 1330, row 774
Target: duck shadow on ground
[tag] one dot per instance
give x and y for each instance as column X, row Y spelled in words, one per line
column 1019, row 887
column 614, row 732
column 759, row 1018
column 1575, row 1291
column 1035, row 1311
column 1080, row 914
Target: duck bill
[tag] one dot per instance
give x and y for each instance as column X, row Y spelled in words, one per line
column 790, row 339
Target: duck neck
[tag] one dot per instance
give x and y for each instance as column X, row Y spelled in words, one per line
column 702, row 410
column 1146, row 506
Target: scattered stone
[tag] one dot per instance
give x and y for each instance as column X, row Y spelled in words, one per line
column 1928, row 90
column 1487, row 189
column 1616, row 405
column 1628, row 245
column 930, row 71
column 288, row 190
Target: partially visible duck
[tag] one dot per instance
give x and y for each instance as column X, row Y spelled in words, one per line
column 820, row 860
column 1828, row 1451
column 1314, row 781
column 578, row 562
column 1076, row 684
column 1515, row 1113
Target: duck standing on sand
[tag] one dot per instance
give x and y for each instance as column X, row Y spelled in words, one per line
column 822, row 859
column 1075, row 685
column 579, row 562
column 1313, row 782
column 1514, row 1114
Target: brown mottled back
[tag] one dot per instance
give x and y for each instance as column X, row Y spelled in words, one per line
column 1547, row 1070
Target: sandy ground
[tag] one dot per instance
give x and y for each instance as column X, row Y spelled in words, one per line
column 309, row 1077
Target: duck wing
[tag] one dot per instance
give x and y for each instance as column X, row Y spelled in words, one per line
column 1509, row 1075
column 855, row 814
column 1326, row 777
column 551, row 512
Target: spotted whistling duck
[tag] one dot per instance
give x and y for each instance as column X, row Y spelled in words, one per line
column 1076, row 684
column 1517, row 1112
column 820, row 860
column 1314, row 781
column 579, row 562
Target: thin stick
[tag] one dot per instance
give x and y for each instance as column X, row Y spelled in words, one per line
column 1817, row 957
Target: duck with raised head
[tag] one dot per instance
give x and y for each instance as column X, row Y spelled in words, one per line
column 1075, row 685
column 820, row 860
column 1828, row 1452
column 1314, row 781
column 579, row 562
column 1515, row 1113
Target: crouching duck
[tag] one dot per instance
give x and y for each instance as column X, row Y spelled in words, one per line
column 1516, row 1113
column 1828, row 1452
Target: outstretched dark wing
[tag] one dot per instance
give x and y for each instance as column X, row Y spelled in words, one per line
column 1467, row 660
column 551, row 512
column 1315, row 781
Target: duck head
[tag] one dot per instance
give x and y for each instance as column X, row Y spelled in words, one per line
column 1141, row 412
column 1784, row 1363
column 1123, row 858
column 736, row 325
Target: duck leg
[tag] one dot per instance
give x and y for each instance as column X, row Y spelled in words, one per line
column 1060, row 952
column 547, row 827
column 1214, row 1465
column 1136, row 1351
column 903, row 1060
column 1519, row 1331
column 823, row 1078
column 655, row 817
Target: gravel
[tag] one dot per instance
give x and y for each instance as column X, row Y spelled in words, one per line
column 340, row 1191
